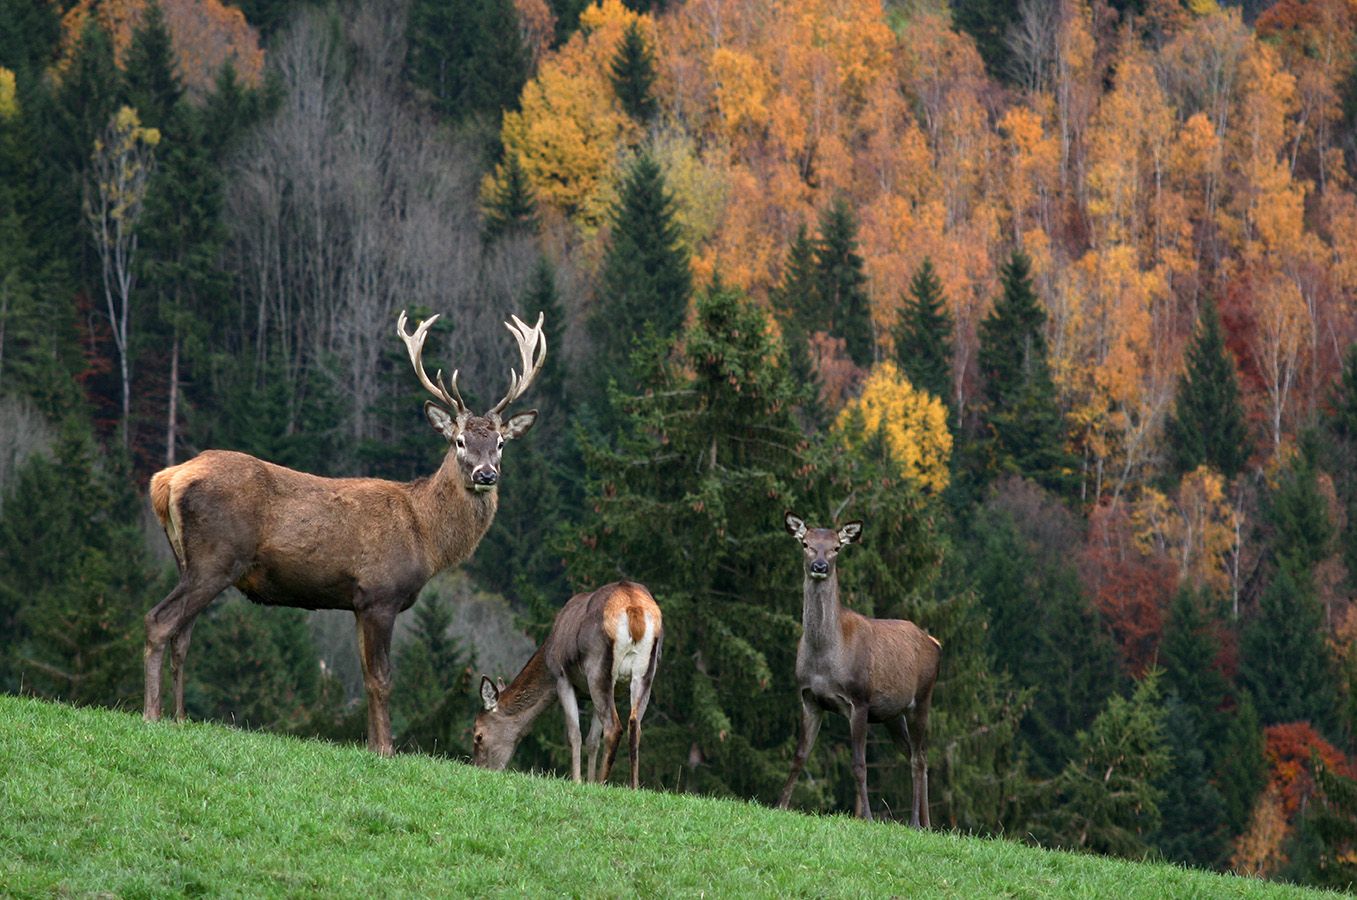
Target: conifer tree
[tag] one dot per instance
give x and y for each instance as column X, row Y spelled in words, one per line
column 1189, row 654
column 841, row 283
column 151, row 86
column 1107, row 798
column 1242, row 772
column 795, row 303
column 1027, row 429
column 1207, row 424
column 923, row 335
column 1324, row 853
column 633, row 76
column 1341, row 425
column 646, row 280
column 468, row 55
column 73, row 580
column 431, row 699
column 512, row 207
column 1192, row 828
column 687, row 502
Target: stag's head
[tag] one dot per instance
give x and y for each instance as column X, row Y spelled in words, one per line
column 478, row 441
column 821, row 546
column 492, row 741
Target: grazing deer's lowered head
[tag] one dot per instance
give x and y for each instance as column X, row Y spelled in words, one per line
column 870, row 670
column 288, row 538
column 611, row 635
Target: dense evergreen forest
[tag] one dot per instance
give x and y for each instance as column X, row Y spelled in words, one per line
column 1059, row 297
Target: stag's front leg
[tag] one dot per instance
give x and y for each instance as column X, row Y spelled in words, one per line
column 857, row 727
column 571, row 709
column 374, row 648
column 811, row 715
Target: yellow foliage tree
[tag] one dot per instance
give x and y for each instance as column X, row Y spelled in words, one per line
column 913, row 421
column 9, row 101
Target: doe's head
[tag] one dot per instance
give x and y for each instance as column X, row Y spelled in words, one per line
column 492, row 742
column 821, row 546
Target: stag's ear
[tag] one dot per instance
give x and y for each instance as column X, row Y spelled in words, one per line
column 850, row 533
column 519, row 425
column 795, row 527
column 489, row 693
column 441, row 420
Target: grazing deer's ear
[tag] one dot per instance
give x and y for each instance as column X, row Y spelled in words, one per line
column 489, row 693
column 850, row 533
column 441, row 420
column 795, row 527
column 518, row 425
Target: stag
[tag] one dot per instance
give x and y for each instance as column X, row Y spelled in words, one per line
column 287, row 538
column 599, row 639
column 870, row 670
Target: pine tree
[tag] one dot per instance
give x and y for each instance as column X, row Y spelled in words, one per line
column 687, row 503
column 646, row 280
column 795, row 303
column 1107, row 798
column 1207, row 424
column 1189, row 654
column 1242, row 772
column 923, row 335
column 1285, row 661
column 29, row 34
column 512, row 207
column 1192, row 829
column 1027, row 428
column 633, row 76
column 1324, row 853
column 841, row 283
column 988, row 22
column 468, row 55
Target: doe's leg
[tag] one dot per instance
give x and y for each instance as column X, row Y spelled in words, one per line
column 811, row 715
column 571, row 708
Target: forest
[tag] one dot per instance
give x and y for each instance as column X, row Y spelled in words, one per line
column 1058, row 297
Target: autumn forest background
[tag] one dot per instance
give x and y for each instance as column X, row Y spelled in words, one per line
column 1059, row 297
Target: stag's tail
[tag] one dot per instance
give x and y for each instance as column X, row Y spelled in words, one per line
column 162, row 501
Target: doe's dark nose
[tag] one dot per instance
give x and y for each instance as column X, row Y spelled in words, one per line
column 484, row 476
column 819, row 567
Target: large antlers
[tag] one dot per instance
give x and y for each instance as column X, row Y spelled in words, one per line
column 532, row 352
column 414, row 345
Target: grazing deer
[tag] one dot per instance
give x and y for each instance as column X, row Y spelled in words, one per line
column 597, row 640
column 870, row 670
column 286, row 538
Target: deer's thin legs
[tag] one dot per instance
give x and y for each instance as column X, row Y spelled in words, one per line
column 918, row 761
column 605, row 710
column 178, row 652
column 811, row 714
column 164, row 622
column 591, row 742
column 857, row 726
column 570, row 707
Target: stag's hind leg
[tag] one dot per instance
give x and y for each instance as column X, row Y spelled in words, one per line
column 166, row 621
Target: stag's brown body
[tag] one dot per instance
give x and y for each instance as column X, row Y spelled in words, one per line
column 869, row 670
column 287, row 538
column 610, row 635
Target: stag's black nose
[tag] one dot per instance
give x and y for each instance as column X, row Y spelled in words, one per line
column 484, row 476
column 819, row 567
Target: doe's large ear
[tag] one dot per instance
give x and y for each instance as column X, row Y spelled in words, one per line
column 441, row 420
column 795, row 527
column 519, row 425
column 850, row 533
column 489, row 693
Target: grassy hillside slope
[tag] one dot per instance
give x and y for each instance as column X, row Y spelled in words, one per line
column 97, row 801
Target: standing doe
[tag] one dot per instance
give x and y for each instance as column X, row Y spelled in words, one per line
column 870, row 670
column 597, row 640
column 286, row 538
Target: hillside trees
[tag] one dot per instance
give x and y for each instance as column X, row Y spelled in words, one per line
column 1207, row 423
column 923, row 335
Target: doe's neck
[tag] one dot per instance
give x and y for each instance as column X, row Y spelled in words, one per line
column 820, row 609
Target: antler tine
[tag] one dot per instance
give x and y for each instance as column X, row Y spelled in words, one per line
column 532, row 353
column 414, row 345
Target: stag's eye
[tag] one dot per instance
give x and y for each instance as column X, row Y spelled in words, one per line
column 461, row 443
column 500, row 445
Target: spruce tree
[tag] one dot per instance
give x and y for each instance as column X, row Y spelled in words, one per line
column 1189, row 653
column 1027, row 427
column 795, row 302
column 432, row 698
column 1324, row 849
column 468, row 56
column 1192, row 828
column 1341, row 424
column 841, row 283
column 687, row 502
column 1107, row 798
column 151, row 86
column 923, row 335
column 512, row 207
column 646, row 280
column 1242, row 772
column 1206, row 426
column 633, row 76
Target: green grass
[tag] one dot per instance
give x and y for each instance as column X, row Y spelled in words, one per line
column 95, row 801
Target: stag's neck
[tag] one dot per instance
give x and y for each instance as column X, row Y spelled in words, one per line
column 454, row 517
column 528, row 695
column 820, row 611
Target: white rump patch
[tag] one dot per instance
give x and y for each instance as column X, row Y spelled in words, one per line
column 631, row 658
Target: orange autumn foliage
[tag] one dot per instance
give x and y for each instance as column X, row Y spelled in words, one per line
column 206, row 34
